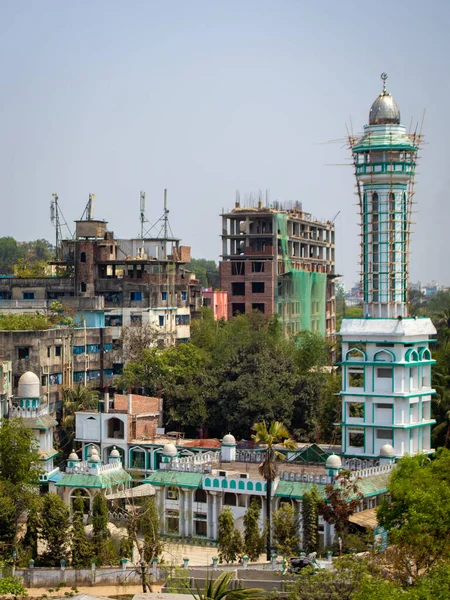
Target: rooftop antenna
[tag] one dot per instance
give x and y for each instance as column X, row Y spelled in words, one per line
column 142, row 209
column 166, row 215
column 89, row 209
column 57, row 219
column 165, row 228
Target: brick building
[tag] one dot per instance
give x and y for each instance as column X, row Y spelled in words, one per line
column 279, row 260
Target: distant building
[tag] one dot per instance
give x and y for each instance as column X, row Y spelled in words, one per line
column 217, row 301
column 279, row 260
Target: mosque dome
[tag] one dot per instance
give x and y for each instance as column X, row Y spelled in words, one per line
column 229, row 440
column 114, row 453
column 384, row 110
column 95, row 458
column 170, row 450
column 73, row 455
column 333, row 462
column 92, row 450
column 387, row 451
column 29, row 386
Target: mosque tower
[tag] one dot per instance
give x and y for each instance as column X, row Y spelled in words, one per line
column 386, row 361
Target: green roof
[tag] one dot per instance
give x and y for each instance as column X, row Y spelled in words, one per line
column 101, row 481
column 175, row 478
column 383, row 141
column 45, row 422
column 368, row 486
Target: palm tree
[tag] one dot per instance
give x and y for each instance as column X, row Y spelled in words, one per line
column 220, row 590
column 74, row 400
column 277, row 434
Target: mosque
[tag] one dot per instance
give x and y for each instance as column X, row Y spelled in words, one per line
column 386, row 388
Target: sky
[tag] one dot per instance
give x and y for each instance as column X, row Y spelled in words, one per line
column 206, row 97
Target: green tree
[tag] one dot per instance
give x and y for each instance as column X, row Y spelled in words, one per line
column 12, row 586
column 253, row 540
column 285, row 530
column 220, row 589
column 55, row 530
column 310, row 518
column 150, row 526
column 101, row 533
column 10, row 253
column 417, row 517
column 206, row 271
column 31, row 537
column 81, row 545
column 228, row 537
column 275, row 435
column 19, row 474
column 342, row 500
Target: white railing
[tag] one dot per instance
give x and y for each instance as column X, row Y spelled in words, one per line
column 93, row 468
column 29, row 413
column 251, row 456
column 359, row 464
column 306, row 477
column 371, row 471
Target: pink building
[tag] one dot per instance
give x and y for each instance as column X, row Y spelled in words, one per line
column 217, row 301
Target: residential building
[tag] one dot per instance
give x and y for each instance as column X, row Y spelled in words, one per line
column 278, row 259
column 6, row 386
column 217, row 301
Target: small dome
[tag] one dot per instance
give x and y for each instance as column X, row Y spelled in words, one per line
column 93, row 451
column 73, row 455
column 29, row 386
column 387, row 451
column 384, row 110
column 114, row 453
column 229, row 439
column 95, row 458
column 333, row 462
column 170, row 450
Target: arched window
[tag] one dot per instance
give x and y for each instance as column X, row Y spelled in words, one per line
column 137, row 458
column 81, row 493
column 411, row 355
column 384, row 356
column 355, row 354
column 224, row 484
column 229, row 499
column 200, row 496
column 115, row 428
column 284, row 501
column 424, row 354
column 232, row 484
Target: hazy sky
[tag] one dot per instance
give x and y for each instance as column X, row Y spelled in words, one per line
column 206, row 97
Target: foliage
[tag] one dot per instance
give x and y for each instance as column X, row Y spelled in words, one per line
column 12, row 586
column 206, row 271
column 417, row 517
column 219, row 589
column 310, row 514
column 55, row 530
column 100, row 530
column 30, row 540
column 8, row 524
column 81, row 545
column 285, row 530
column 275, row 435
column 136, row 338
column 253, row 540
column 23, row 322
column 10, row 253
column 228, row 537
column 149, row 525
column 74, row 399
column 25, row 268
column 342, row 499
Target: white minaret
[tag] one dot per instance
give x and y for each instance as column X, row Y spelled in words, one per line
column 386, row 361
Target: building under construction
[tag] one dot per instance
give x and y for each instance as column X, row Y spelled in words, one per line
column 278, row 259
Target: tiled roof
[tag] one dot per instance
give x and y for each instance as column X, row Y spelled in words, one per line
column 44, row 422
column 175, row 478
column 101, row 481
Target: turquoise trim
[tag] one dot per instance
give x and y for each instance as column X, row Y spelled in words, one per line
column 391, row 396
column 369, row 341
column 403, row 427
column 380, row 363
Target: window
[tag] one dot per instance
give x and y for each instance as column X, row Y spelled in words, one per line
column 161, row 320
column 55, row 379
column 27, row 295
column 356, row 377
column 238, row 288
column 260, row 306
column 258, row 287
column 173, row 519
column 78, row 376
column 136, row 319
column 238, row 308
column 117, row 368
column 384, row 434
column 58, row 350
column 200, row 524
column 107, row 347
column 108, row 373
column 229, row 499
column 44, row 380
column 92, row 348
column 184, row 296
column 164, row 296
column 237, row 268
column 384, row 373
column 135, row 296
column 78, row 349
column 137, row 459
column 48, row 351
column 200, row 496
column 356, row 410
column 356, row 438
column 23, row 352
column 93, row 375
column 115, row 428
column 258, row 267
column 113, row 320
column 181, row 319
column 83, row 286
column 83, row 257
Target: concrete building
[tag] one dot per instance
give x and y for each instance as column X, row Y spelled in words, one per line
column 217, row 301
column 278, row 259
column 386, row 369
column 6, row 386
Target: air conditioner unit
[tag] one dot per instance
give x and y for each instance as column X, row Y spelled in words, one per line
column 222, row 473
column 171, row 494
column 243, row 476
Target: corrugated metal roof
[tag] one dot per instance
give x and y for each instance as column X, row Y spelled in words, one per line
column 101, row 481
column 175, row 478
